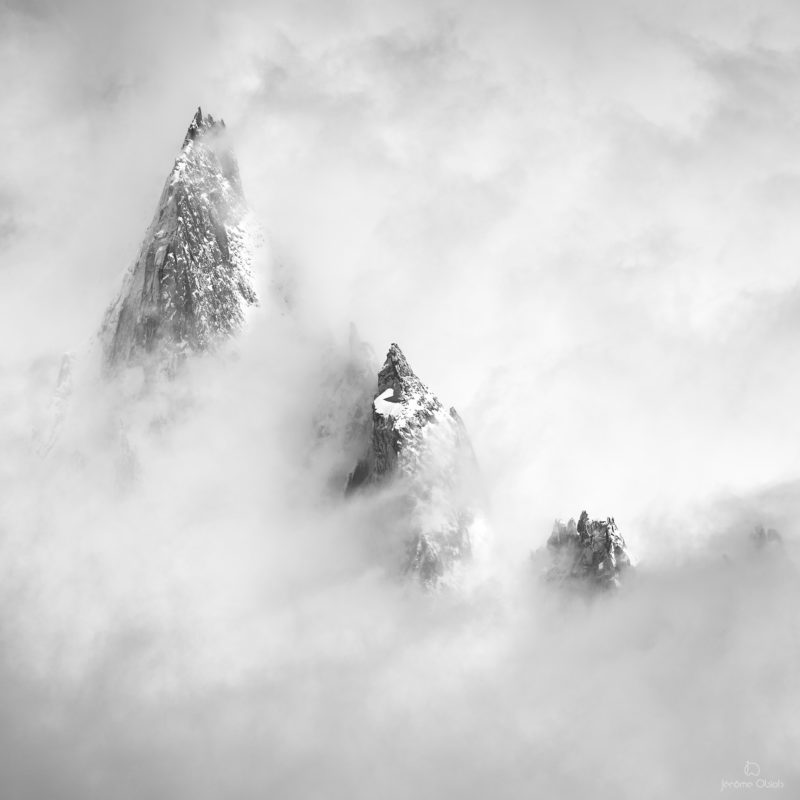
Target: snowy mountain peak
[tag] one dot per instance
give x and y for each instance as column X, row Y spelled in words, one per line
column 423, row 451
column 395, row 367
column 201, row 124
column 191, row 283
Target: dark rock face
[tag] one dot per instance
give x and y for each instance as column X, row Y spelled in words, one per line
column 591, row 551
column 191, row 282
column 395, row 428
column 422, row 448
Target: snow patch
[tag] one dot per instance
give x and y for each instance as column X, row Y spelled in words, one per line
column 385, row 407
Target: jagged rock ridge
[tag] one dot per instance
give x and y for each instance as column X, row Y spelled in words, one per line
column 191, row 282
column 419, row 445
column 591, row 551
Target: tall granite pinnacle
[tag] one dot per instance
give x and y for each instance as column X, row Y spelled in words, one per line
column 422, row 450
column 191, row 282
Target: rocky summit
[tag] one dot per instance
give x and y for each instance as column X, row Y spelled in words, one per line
column 191, row 281
column 590, row 551
column 420, row 448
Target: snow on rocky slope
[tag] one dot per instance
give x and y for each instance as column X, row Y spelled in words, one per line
column 191, row 282
column 422, row 450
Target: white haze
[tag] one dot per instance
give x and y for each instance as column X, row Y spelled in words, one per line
column 579, row 222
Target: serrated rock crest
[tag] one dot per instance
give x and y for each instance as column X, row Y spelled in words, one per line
column 592, row 552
